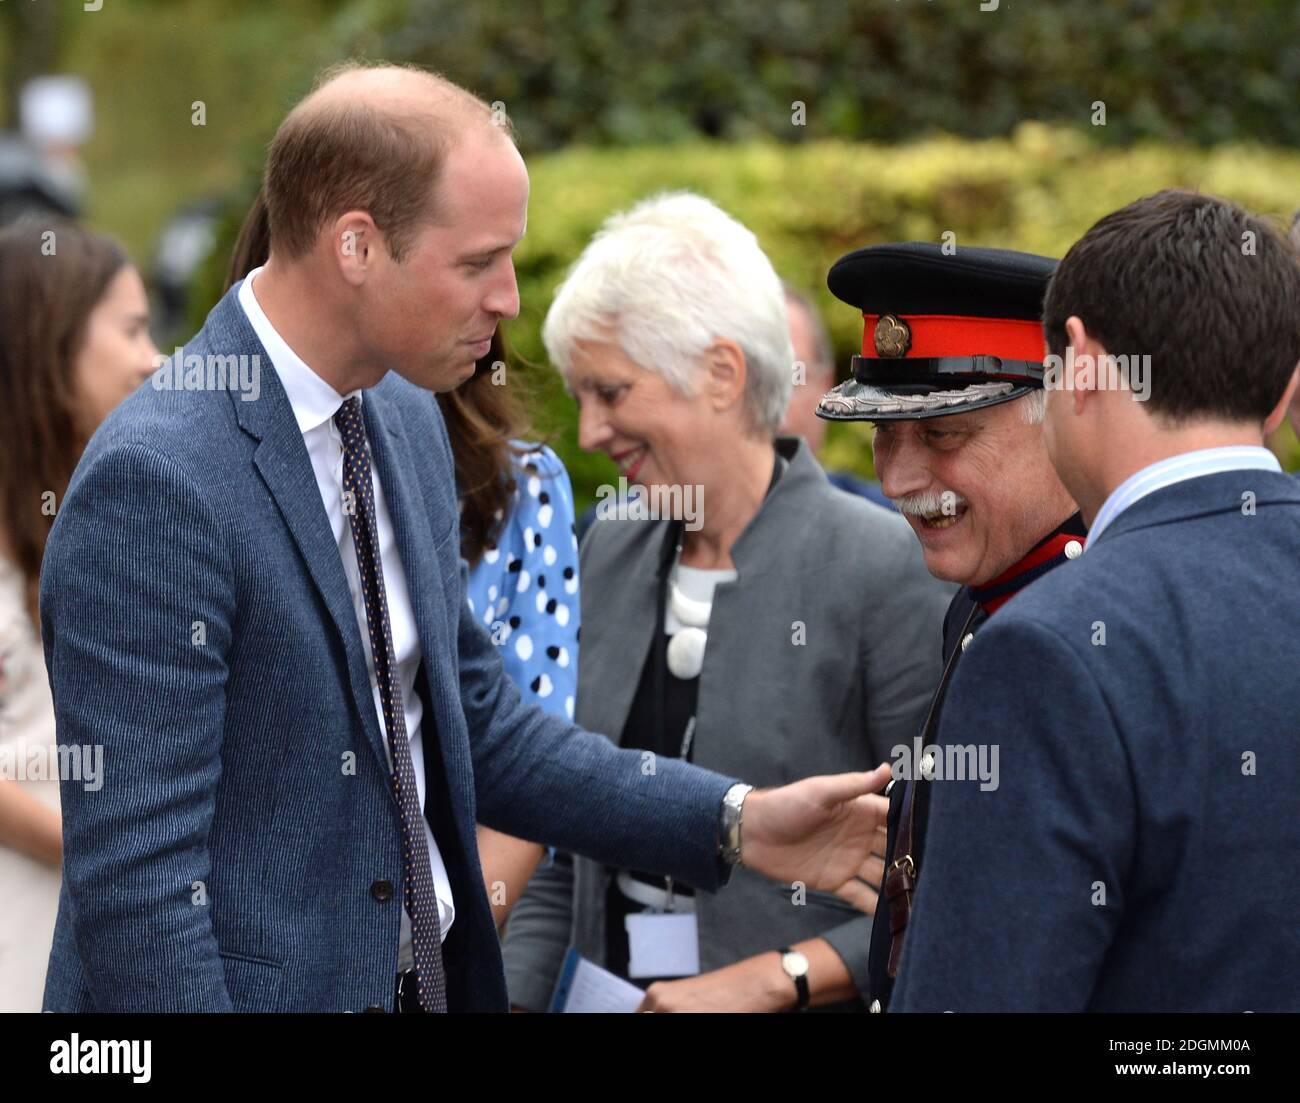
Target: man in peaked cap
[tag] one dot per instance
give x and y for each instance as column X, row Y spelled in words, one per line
column 951, row 375
column 1142, row 851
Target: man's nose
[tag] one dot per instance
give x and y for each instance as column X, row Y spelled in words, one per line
column 900, row 468
column 503, row 299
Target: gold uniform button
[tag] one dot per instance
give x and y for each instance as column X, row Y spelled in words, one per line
column 875, row 1007
column 1073, row 550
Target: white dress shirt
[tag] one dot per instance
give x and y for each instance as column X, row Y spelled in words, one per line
column 1177, row 469
column 314, row 404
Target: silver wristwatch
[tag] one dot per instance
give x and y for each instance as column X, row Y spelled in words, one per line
column 733, row 806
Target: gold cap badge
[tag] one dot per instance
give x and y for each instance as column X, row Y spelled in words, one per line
column 893, row 337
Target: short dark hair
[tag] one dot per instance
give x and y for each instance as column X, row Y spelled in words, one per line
column 1171, row 276
column 329, row 158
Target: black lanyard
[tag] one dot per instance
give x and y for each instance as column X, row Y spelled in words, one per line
column 674, row 541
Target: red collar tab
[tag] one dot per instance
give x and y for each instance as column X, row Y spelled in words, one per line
column 1052, row 552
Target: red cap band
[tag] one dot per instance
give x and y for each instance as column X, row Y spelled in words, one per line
column 935, row 335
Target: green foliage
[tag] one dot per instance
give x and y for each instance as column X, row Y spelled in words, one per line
column 149, row 61
column 904, row 73
column 1037, row 191
column 633, row 72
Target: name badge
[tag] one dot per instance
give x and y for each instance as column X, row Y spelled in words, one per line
column 663, row 944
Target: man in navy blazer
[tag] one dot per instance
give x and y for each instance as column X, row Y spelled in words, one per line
column 253, row 600
column 1141, row 851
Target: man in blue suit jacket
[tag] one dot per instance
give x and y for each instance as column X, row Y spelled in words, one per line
column 1141, row 851
column 253, row 600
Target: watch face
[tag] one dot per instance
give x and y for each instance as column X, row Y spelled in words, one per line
column 795, row 964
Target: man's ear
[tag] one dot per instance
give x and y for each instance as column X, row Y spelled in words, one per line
column 1083, row 355
column 725, row 369
column 354, row 242
column 1292, row 393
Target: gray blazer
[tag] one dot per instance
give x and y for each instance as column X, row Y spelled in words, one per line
column 842, row 573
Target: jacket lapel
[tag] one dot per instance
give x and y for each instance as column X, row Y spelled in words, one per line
column 282, row 462
column 627, row 593
column 413, row 528
column 761, row 544
column 632, row 594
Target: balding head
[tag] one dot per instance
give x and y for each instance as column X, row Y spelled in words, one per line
column 397, row 90
column 371, row 138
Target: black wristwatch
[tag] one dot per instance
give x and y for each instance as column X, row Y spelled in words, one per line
column 796, row 968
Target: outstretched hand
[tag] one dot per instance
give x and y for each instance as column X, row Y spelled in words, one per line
column 826, row 832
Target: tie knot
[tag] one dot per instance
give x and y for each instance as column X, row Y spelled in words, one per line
column 348, row 418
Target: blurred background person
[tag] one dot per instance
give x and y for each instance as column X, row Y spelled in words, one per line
column 671, row 333
column 518, row 538
column 74, row 341
column 812, row 349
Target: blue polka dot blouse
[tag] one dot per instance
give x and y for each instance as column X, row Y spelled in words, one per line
column 525, row 590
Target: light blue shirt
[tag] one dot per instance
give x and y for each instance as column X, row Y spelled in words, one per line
column 1177, row 469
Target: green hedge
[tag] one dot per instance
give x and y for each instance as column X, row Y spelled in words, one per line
column 636, row 72
column 1037, row 190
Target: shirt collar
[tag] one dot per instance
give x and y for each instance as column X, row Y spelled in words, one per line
column 1177, row 469
column 314, row 401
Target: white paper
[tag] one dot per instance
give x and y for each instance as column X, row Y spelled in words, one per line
column 593, row 989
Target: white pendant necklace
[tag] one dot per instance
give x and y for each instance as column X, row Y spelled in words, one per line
column 686, row 646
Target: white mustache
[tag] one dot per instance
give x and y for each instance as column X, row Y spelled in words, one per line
column 929, row 503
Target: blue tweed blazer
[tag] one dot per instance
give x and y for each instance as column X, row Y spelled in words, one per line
column 1142, row 850
column 198, row 626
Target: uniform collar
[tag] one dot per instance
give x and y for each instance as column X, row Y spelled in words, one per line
column 314, row 401
column 1062, row 543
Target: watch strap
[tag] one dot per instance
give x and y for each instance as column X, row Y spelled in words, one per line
column 802, row 993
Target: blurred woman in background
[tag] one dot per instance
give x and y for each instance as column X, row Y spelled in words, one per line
column 518, row 537
column 74, row 341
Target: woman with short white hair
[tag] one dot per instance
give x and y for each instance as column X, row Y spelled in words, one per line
column 739, row 612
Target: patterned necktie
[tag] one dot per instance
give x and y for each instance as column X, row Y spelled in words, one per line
column 421, row 902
